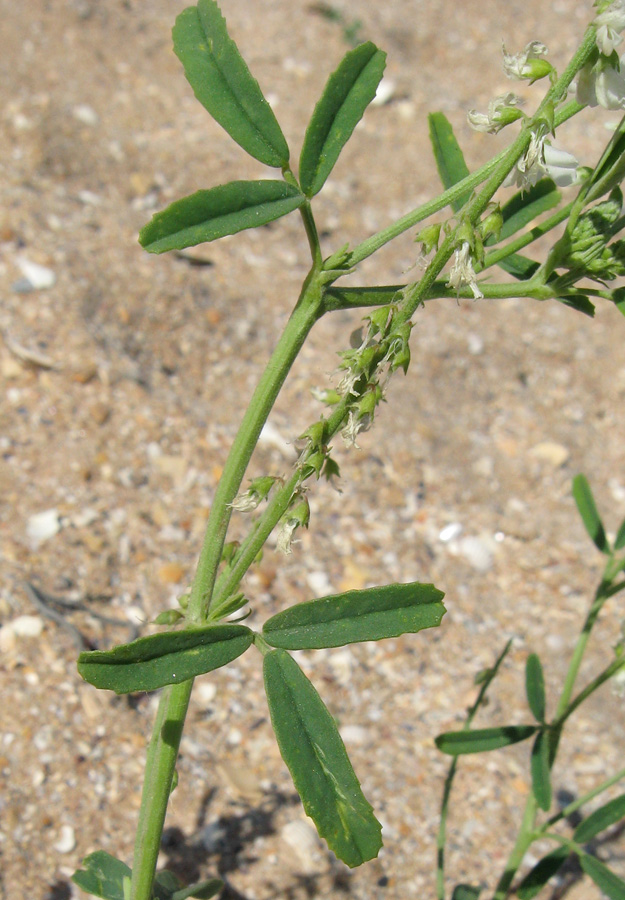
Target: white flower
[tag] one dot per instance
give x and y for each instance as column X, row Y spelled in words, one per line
column 285, row 536
column 540, row 159
column 245, row 502
column 527, row 63
column 462, row 273
column 501, row 112
column 608, row 24
column 351, row 430
column 600, row 84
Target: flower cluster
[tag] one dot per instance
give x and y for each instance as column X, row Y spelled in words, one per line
column 591, row 255
column 542, row 158
column 601, row 82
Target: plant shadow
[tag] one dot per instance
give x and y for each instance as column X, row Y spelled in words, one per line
column 224, row 845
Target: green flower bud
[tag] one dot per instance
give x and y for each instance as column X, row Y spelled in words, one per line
column 169, row 617
column 429, row 237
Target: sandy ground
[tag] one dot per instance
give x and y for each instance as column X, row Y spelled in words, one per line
column 122, row 384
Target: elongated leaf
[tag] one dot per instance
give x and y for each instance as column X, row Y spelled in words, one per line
column 541, row 773
column 103, row 876
column 353, row 297
column 466, row 892
column 369, row 615
column 520, row 267
column 606, row 880
column 585, row 501
column 458, row 743
column 203, row 890
column 318, row 762
column 544, row 869
column 224, row 85
column 535, row 686
column 579, row 303
column 225, row 209
column 619, row 541
column 449, row 157
column 525, row 206
column 348, row 92
column 608, row 814
column 169, row 658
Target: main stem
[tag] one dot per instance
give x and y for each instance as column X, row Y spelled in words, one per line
column 302, row 319
column 159, row 773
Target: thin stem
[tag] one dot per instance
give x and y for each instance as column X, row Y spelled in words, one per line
column 442, row 828
column 524, row 240
column 585, row 798
column 579, row 650
column 521, row 846
column 372, row 244
column 297, row 329
column 159, row 773
column 590, row 688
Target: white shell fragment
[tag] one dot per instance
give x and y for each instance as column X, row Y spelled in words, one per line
column 38, row 277
column 67, row 840
column 42, row 526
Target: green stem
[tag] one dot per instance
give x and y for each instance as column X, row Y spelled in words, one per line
column 372, row 244
column 160, row 766
column 590, row 688
column 302, row 319
column 442, row 828
column 521, row 846
column 581, row 801
column 524, row 240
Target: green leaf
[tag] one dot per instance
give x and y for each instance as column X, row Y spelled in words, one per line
column 619, row 542
column 466, row 892
column 608, row 814
column 348, row 92
column 203, row 890
column 103, row 876
column 520, row 267
column 168, row 658
column 544, row 869
column 318, row 762
column 605, row 879
column 166, row 884
column 370, row 615
column 449, row 157
column 579, row 303
column 225, row 209
column 224, row 85
column 585, row 501
column 354, row 297
column 525, row 206
column 535, row 687
column 541, row 772
column 458, row 743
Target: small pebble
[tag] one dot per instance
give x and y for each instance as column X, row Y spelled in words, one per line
column 67, row 841
column 42, row 526
column 450, row 532
column 303, row 839
column 477, row 551
column 38, row 277
column 26, row 626
column 550, row 452
column 385, row 92
column 85, row 114
column 354, row 734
